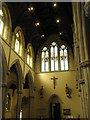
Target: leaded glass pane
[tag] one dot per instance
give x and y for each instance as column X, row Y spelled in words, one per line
column 17, row 46
column 1, row 27
column 66, row 60
column 45, row 60
column 28, row 58
column 56, row 58
column 30, row 61
column 63, row 58
column 52, row 59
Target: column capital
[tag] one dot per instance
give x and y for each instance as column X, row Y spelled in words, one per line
column 85, row 63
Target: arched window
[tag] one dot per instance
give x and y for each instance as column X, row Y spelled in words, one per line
column 8, row 102
column 45, row 60
column 64, row 57
column 54, row 57
column 1, row 22
column 17, row 42
column 29, row 56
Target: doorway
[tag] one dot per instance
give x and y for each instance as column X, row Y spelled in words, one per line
column 55, row 112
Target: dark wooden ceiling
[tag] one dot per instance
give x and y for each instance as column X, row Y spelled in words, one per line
column 46, row 14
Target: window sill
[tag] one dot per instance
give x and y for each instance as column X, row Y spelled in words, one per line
column 57, row 71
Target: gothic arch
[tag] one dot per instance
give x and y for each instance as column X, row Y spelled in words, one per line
column 19, row 72
column 21, row 40
column 7, row 24
column 30, row 80
column 54, row 101
column 29, row 46
column 18, row 28
column 54, row 97
column 4, row 64
column 7, row 14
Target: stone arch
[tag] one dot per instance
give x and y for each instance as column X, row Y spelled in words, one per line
column 19, row 83
column 54, row 97
column 19, row 72
column 7, row 29
column 30, row 81
column 29, row 46
column 19, row 30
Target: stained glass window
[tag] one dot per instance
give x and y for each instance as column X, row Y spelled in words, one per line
column 8, row 102
column 29, row 56
column 54, row 57
column 64, row 57
column 17, row 43
column 1, row 22
column 45, row 60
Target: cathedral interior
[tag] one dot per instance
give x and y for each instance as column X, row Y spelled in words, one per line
column 45, row 60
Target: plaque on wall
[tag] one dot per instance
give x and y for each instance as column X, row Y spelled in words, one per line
column 66, row 111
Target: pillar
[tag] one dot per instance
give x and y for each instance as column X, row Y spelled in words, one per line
column 4, row 86
column 19, row 103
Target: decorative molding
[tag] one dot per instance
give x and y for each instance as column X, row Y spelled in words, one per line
column 85, row 63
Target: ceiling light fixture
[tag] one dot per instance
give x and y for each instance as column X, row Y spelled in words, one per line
column 42, row 36
column 30, row 9
column 37, row 24
column 60, row 33
column 57, row 21
column 54, row 4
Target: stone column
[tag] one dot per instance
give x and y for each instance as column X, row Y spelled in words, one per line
column 4, row 86
column 79, row 33
column 19, row 103
column 86, row 36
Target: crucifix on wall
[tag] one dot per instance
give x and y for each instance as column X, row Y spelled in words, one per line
column 54, row 80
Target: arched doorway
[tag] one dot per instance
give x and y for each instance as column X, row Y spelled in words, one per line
column 55, row 107
column 14, row 86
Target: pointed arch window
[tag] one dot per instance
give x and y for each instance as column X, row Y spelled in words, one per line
column 29, row 56
column 45, row 60
column 17, row 43
column 8, row 102
column 1, row 22
column 54, row 57
column 64, row 57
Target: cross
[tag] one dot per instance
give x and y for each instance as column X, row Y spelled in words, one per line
column 53, row 78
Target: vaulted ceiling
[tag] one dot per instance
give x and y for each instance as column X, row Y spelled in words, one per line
column 46, row 14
